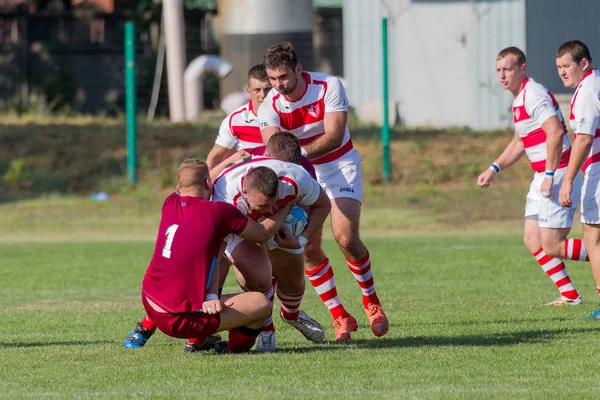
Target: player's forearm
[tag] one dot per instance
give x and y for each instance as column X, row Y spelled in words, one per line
column 216, row 156
column 269, row 131
column 325, row 144
column 554, row 141
column 214, row 283
column 316, row 219
column 273, row 223
column 216, row 170
column 511, row 154
column 579, row 152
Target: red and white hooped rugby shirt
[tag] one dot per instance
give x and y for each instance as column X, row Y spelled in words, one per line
column 240, row 129
column 304, row 118
column 584, row 117
column 294, row 181
column 531, row 108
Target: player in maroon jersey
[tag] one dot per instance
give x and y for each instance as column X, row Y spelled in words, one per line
column 179, row 290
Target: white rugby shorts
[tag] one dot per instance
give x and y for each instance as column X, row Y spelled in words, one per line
column 549, row 211
column 590, row 195
column 234, row 240
column 342, row 177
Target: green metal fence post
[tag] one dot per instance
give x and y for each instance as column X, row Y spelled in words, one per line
column 130, row 101
column 385, row 128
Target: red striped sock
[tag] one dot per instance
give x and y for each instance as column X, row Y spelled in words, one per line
column 364, row 277
column 575, row 250
column 290, row 304
column 556, row 270
column 148, row 323
column 323, row 280
column 270, row 295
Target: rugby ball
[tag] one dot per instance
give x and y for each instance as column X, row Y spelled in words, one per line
column 296, row 220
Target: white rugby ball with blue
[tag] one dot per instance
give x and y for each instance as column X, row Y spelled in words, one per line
column 296, row 220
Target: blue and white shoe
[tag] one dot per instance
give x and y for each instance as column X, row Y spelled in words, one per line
column 595, row 314
column 138, row 337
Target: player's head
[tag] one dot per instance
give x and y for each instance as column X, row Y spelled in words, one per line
column 573, row 60
column 258, row 84
column 511, row 67
column 282, row 67
column 284, row 146
column 260, row 189
column 193, row 178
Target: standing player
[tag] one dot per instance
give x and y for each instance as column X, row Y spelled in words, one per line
column 179, row 290
column 540, row 133
column 575, row 68
column 313, row 106
column 239, row 130
column 235, row 186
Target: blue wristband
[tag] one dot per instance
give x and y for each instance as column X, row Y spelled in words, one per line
column 495, row 167
column 550, row 173
column 211, row 296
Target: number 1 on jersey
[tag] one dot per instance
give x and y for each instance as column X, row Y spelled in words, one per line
column 166, row 253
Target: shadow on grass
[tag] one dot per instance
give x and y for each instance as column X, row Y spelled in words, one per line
column 512, row 322
column 486, row 339
column 46, row 344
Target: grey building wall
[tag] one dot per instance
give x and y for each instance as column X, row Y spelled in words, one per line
column 441, row 59
column 552, row 22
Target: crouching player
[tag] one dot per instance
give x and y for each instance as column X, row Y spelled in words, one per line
column 241, row 185
column 179, row 290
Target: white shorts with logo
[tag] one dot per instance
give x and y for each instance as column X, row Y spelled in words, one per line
column 550, row 214
column 590, row 195
column 234, row 240
column 341, row 177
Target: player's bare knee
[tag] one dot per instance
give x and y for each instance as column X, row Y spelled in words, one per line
column 532, row 242
column 349, row 244
column 262, row 305
column 259, row 283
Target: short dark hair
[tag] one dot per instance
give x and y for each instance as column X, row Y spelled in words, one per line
column 280, row 55
column 263, row 179
column 285, row 146
column 576, row 48
column 192, row 173
column 513, row 51
column 258, row 72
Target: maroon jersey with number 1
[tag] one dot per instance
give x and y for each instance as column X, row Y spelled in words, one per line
column 189, row 236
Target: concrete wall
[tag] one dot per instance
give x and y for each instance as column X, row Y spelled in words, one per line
column 441, row 59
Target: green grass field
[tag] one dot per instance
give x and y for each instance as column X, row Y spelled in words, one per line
column 464, row 312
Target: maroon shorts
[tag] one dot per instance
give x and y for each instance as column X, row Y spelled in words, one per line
column 191, row 325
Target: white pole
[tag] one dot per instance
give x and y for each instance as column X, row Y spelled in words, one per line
column 194, row 82
column 175, row 45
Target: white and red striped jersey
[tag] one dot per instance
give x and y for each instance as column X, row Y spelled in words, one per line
column 304, row 118
column 531, row 108
column 240, row 129
column 584, row 117
column 294, row 181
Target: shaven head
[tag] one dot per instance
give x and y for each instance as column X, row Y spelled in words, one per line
column 263, row 180
column 258, row 72
column 260, row 189
column 285, row 146
column 193, row 177
column 576, row 49
column 513, row 51
column 280, row 55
